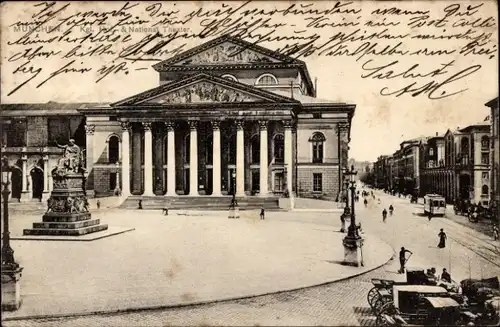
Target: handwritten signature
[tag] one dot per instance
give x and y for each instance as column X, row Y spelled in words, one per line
column 433, row 89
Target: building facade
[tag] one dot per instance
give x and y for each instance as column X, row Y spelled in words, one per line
column 472, row 163
column 435, row 178
column 495, row 152
column 228, row 116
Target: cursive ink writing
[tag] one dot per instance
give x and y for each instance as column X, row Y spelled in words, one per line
column 434, row 90
column 109, row 42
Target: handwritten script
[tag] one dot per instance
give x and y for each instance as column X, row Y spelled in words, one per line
column 424, row 49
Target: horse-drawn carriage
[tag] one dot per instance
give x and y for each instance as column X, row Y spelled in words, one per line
column 381, row 292
column 420, row 305
column 417, row 302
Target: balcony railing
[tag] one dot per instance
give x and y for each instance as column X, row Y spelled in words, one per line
column 462, row 159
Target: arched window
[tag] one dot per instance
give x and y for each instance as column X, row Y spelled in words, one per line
column 266, row 79
column 279, row 148
column 230, row 77
column 485, row 142
column 485, row 190
column 464, row 146
column 255, row 149
column 431, row 151
column 317, row 141
column 113, row 149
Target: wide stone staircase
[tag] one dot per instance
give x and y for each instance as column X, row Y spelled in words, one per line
column 200, row 202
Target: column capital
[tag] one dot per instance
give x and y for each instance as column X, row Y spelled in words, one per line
column 89, row 129
column 240, row 124
column 287, row 123
column 342, row 127
column 215, row 125
column 24, row 157
column 193, row 124
column 170, row 126
column 147, row 127
column 263, row 124
column 45, row 157
column 125, row 125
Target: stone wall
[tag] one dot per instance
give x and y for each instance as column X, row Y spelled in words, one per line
column 330, row 180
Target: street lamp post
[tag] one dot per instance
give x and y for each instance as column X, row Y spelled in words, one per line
column 346, row 183
column 233, row 208
column 353, row 242
column 11, row 271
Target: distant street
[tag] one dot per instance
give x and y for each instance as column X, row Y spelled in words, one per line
column 468, row 253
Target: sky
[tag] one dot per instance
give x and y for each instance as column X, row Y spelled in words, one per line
column 380, row 123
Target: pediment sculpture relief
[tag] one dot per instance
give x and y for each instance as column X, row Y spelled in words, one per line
column 227, row 53
column 203, row 92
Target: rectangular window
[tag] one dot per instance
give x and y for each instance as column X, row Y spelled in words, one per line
column 112, row 181
column 16, row 133
column 278, row 182
column 485, row 158
column 317, row 182
column 59, row 130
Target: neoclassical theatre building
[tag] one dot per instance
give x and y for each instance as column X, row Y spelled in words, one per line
column 227, row 116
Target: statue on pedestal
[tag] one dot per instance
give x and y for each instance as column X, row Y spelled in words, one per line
column 71, row 161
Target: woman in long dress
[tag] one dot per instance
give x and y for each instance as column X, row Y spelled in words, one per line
column 442, row 239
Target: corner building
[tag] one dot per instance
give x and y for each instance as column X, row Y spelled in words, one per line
column 227, row 116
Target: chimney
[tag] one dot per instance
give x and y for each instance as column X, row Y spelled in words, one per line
column 315, row 87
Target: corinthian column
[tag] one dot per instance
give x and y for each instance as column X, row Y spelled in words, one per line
column 263, row 159
column 216, row 176
column 148, row 160
column 170, row 159
column 193, row 159
column 240, row 159
column 125, row 159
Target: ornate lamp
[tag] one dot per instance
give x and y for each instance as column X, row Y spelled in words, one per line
column 353, row 243
column 11, row 272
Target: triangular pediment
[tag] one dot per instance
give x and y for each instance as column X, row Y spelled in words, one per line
column 203, row 88
column 226, row 50
column 204, row 92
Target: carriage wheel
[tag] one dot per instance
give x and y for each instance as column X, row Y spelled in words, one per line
column 372, row 296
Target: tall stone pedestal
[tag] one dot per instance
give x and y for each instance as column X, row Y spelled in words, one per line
column 67, row 209
column 353, row 251
column 234, row 212
column 11, row 289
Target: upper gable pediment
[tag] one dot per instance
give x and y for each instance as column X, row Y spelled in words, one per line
column 225, row 50
column 203, row 88
column 226, row 53
column 203, row 92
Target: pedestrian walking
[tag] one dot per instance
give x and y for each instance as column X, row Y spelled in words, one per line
column 98, row 204
column 366, row 203
column 262, row 213
column 391, row 209
column 495, row 232
column 442, row 239
column 403, row 259
column 430, row 215
column 140, row 205
column 384, row 215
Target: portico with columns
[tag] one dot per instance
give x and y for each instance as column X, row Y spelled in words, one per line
column 219, row 123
